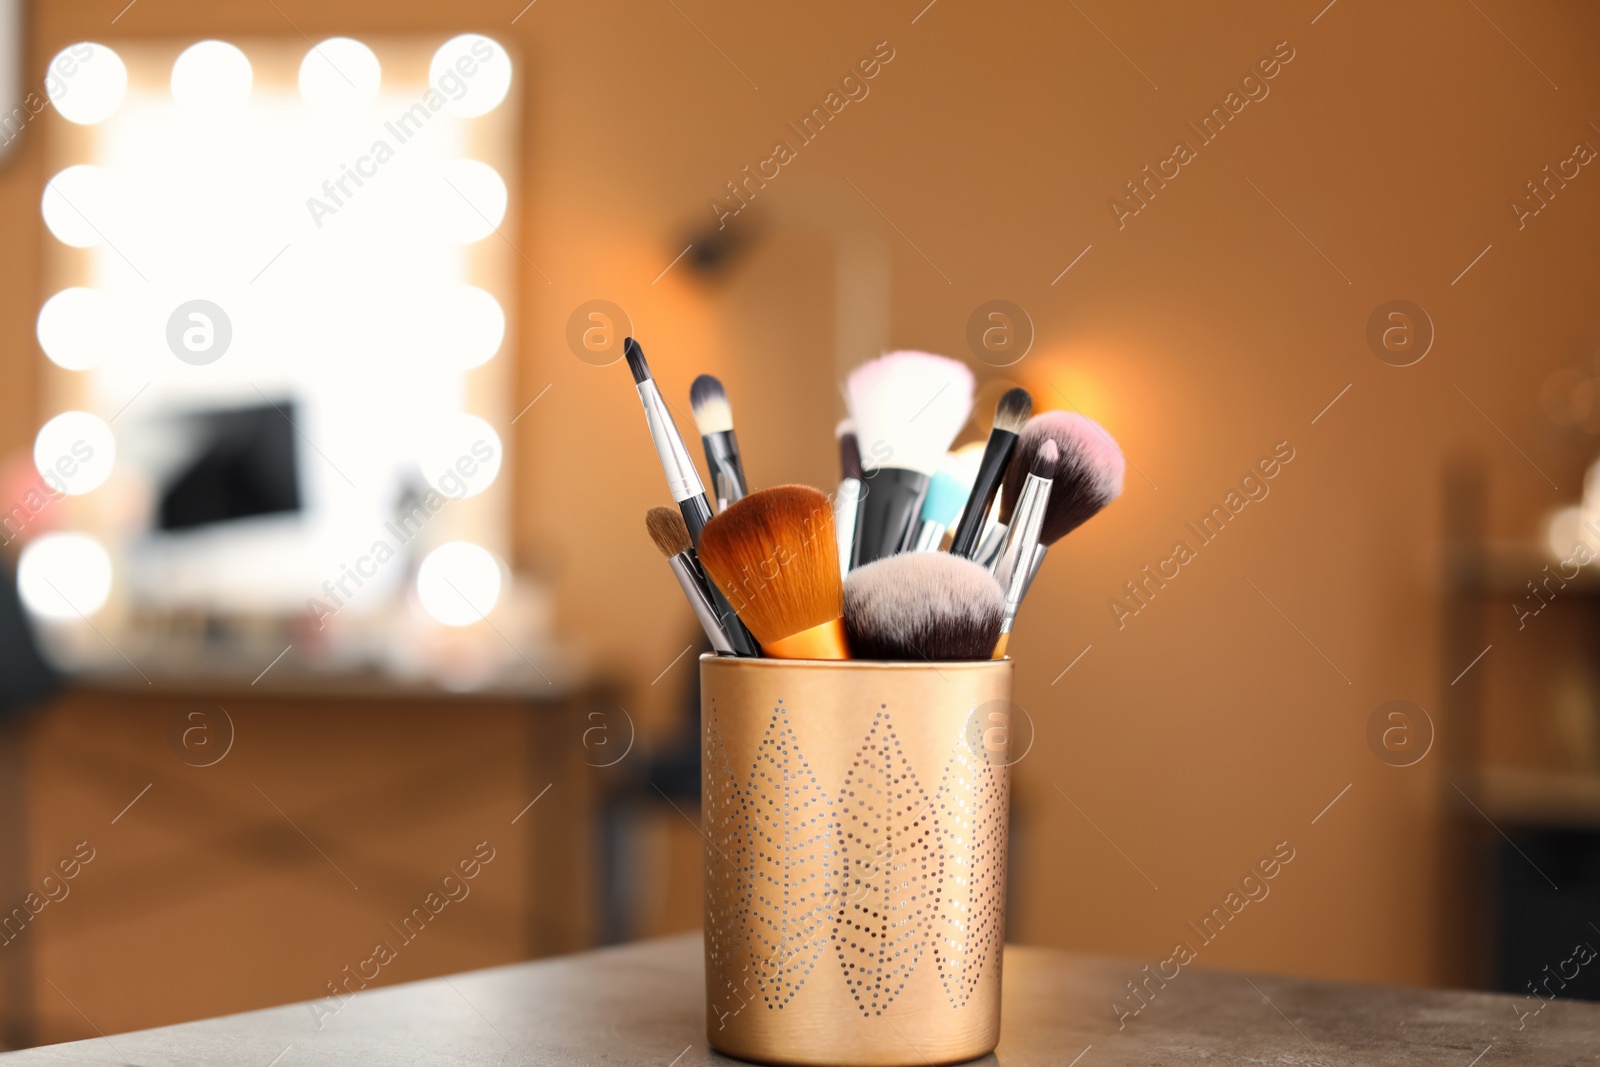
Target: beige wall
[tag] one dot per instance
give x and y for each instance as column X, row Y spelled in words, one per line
column 1202, row 334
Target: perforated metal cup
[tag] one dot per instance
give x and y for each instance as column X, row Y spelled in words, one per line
column 855, row 824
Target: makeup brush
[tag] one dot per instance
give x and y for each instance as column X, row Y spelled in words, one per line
column 908, row 407
column 994, row 536
column 922, row 606
column 947, row 492
column 714, row 416
column 1033, row 500
column 1010, row 414
column 775, row 557
column 683, row 481
column 671, row 536
column 848, row 498
column 1088, row 474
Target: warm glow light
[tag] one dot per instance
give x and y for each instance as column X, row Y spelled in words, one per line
column 471, row 326
column 73, row 329
column 75, row 452
column 459, row 583
column 362, row 329
column 1591, row 485
column 1565, row 531
column 1065, row 385
column 64, row 575
column 211, row 76
column 75, row 205
column 460, row 456
column 340, row 72
column 86, row 82
column 472, row 73
column 472, row 201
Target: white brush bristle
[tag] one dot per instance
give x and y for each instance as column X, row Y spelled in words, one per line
column 708, row 400
column 714, row 417
column 908, row 407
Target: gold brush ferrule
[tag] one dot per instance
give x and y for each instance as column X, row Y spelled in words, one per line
column 820, row 642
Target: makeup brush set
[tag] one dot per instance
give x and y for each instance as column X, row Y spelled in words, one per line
column 790, row 573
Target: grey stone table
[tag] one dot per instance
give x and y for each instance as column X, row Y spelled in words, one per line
column 641, row 1005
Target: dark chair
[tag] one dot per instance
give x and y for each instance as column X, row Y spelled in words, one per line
column 27, row 680
column 670, row 775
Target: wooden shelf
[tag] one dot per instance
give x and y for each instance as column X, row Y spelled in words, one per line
column 1506, row 570
column 1522, row 797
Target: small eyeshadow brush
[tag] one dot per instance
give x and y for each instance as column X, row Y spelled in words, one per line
column 671, row 536
column 713, row 415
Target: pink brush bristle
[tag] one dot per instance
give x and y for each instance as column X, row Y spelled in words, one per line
column 1088, row 471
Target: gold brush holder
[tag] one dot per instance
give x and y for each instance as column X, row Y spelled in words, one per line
column 855, row 861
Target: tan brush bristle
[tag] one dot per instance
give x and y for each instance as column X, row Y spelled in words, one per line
column 1011, row 414
column 668, row 530
column 774, row 556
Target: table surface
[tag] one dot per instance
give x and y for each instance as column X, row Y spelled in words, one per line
column 641, row 1004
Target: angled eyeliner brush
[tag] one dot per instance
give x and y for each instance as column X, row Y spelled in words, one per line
column 683, row 481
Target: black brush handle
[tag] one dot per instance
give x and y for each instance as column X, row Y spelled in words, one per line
column 722, row 455
column 991, row 472
column 886, row 520
column 742, row 640
column 696, row 511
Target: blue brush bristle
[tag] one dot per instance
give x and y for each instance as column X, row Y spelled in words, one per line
column 946, row 497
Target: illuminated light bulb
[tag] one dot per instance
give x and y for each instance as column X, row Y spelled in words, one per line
column 76, row 205
column 473, row 74
column 75, row 452
column 74, row 328
column 1566, row 530
column 1591, row 486
column 340, row 72
column 64, row 575
column 459, row 583
column 86, row 82
column 211, row 76
column 469, row 328
column 460, row 456
column 472, row 198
